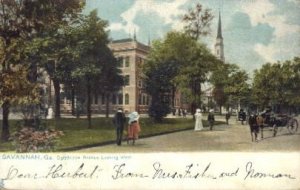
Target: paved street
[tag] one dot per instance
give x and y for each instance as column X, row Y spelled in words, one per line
column 233, row 137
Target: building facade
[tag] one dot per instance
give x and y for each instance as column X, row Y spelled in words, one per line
column 131, row 55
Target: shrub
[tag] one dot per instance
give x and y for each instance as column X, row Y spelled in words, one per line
column 31, row 140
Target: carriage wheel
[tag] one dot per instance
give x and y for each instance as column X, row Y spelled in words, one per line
column 293, row 126
column 275, row 128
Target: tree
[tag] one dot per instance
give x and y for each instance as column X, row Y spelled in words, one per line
column 51, row 46
column 183, row 63
column 277, row 84
column 20, row 22
column 158, row 85
column 230, row 83
column 96, row 64
column 197, row 22
column 194, row 72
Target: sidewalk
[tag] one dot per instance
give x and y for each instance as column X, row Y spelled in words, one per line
column 235, row 137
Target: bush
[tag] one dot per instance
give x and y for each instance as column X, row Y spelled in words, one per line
column 158, row 110
column 31, row 140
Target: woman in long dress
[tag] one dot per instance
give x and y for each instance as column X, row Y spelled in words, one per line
column 198, row 117
column 133, row 128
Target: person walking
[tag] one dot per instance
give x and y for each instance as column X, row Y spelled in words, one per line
column 198, row 123
column 227, row 117
column 211, row 119
column 134, row 127
column 119, row 121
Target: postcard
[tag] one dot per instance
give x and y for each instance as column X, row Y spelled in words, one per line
column 150, row 94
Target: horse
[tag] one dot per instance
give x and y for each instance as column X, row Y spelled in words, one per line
column 260, row 120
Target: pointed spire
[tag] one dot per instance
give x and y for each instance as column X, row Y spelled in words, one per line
column 219, row 35
column 134, row 35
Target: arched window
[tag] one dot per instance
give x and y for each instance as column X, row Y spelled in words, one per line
column 120, row 62
column 126, row 99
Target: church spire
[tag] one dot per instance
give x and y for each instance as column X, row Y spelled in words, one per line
column 219, row 35
column 134, row 35
column 219, row 46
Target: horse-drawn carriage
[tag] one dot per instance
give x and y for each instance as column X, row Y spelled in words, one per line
column 279, row 121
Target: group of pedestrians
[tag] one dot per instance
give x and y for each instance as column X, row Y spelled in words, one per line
column 133, row 128
column 198, row 118
column 180, row 112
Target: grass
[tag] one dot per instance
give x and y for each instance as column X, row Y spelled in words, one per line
column 76, row 133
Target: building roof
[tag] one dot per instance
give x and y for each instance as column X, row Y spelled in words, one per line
column 122, row 40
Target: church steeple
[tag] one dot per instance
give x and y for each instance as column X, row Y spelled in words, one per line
column 219, row 46
column 134, row 35
column 219, row 35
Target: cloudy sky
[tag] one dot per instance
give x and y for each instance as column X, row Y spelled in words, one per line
column 254, row 31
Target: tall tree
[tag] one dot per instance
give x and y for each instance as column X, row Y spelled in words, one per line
column 197, row 21
column 96, row 64
column 230, row 83
column 20, row 22
column 183, row 63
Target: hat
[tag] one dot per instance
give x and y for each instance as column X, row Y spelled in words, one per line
column 134, row 116
column 198, row 110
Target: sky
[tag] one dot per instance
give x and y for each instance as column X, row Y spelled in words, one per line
column 254, row 31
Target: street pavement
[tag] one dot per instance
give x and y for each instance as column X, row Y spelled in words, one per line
column 232, row 137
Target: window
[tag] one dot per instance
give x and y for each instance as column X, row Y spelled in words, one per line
column 140, row 99
column 120, row 99
column 127, row 61
column 120, row 61
column 114, row 99
column 126, row 99
column 126, row 80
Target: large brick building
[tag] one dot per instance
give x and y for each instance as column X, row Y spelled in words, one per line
column 131, row 55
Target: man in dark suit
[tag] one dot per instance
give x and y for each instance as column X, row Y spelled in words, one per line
column 119, row 121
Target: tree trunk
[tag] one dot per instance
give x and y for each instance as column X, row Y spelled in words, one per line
column 5, row 126
column 89, row 111
column 107, row 105
column 57, row 98
column 173, row 97
column 73, row 100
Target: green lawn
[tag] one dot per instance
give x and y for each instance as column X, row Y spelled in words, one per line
column 76, row 133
